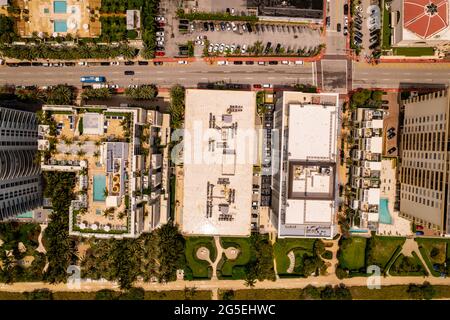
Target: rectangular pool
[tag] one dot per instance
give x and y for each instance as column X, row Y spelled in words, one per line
column 385, row 216
column 99, row 188
column 60, row 26
column 59, row 7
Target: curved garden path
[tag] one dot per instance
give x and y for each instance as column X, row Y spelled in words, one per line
column 218, row 257
column 41, row 247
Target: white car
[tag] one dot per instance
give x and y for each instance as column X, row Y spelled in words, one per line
column 216, row 47
column 160, row 39
column 345, row 21
column 261, row 63
column 160, row 34
column 221, row 63
column 244, row 49
column 182, row 62
column 160, row 43
column 244, row 27
column 227, row 47
column 132, row 86
column 267, row 85
column 233, row 26
column 232, row 11
column 114, row 63
column 210, row 48
column 299, row 62
column 160, row 19
column 114, row 86
column 284, row 62
column 222, row 47
column 82, row 63
column 232, row 48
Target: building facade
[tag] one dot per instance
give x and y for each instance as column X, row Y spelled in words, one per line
column 425, row 165
column 20, row 179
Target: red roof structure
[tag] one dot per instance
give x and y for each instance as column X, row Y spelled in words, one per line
column 425, row 18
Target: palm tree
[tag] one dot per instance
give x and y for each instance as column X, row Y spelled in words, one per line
column 80, row 143
column 81, row 153
column 96, row 154
column 67, row 154
column 109, row 211
column 105, row 192
column 98, row 143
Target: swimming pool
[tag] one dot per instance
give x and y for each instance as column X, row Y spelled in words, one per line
column 60, row 26
column 59, row 6
column 385, row 216
column 25, row 215
column 99, row 187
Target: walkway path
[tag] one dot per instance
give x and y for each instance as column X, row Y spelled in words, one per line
column 334, row 260
column 218, row 257
column 41, row 247
column 411, row 246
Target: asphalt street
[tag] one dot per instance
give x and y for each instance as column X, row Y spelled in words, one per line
column 385, row 75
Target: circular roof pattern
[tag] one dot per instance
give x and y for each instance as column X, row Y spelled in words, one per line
column 425, row 18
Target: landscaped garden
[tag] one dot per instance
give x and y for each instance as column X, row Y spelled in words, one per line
column 305, row 257
column 351, row 255
column 197, row 268
column 407, row 266
column 414, row 52
column 381, row 250
column 386, row 37
column 436, row 253
column 235, row 268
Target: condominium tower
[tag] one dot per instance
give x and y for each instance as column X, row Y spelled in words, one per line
column 425, row 165
column 20, row 180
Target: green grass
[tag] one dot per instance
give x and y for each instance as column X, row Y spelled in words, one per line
column 417, row 269
column 414, row 52
column 352, row 253
column 382, row 250
column 386, row 36
column 244, row 257
column 283, row 246
column 398, row 292
column 199, row 267
column 426, row 245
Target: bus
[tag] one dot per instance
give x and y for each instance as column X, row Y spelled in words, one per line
column 92, row 79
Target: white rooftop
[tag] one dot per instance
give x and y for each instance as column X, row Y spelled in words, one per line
column 376, row 144
column 205, row 162
column 312, row 132
column 309, row 211
column 373, row 196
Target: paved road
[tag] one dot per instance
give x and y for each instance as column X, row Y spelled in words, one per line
column 188, row 75
column 387, row 75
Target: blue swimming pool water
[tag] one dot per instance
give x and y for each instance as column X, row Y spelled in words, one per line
column 60, row 26
column 385, row 216
column 59, row 6
column 25, row 215
column 357, row 230
column 99, row 187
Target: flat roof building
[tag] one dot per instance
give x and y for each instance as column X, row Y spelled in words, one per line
column 219, row 153
column 304, row 180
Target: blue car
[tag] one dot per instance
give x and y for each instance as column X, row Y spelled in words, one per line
column 419, row 233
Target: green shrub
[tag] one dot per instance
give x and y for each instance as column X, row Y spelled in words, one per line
column 327, row 254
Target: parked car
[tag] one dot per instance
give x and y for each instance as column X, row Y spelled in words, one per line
column 129, row 63
column 338, row 27
column 115, row 63
column 238, row 62
column 392, row 150
column 345, row 9
column 160, row 34
column 158, row 63
column 205, row 26
column 257, row 86
column 391, row 135
column 249, row 27
column 419, row 233
column 273, row 62
column 249, row 62
column 129, row 73
column 160, row 53
column 244, row 49
column 143, row 63
column 267, row 85
column 182, row 62
column 419, row 227
column 211, row 26
column 298, row 62
column 184, row 21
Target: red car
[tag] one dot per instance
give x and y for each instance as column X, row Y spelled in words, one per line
column 160, row 53
column 161, row 24
column 257, row 86
column 419, row 228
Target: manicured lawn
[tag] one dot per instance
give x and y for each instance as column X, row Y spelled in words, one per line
column 352, row 253
column 407, row 266
column 199, row 267
column 283, row 246
column 244, row 257
column 434, row 251
column 398, row 292
column 382, row 249
column 413, row 52
column 386, row 41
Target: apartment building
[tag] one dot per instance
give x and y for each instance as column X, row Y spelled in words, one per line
column 20, row 179
column 120, row 158
column 425, row 161
column 304, row 184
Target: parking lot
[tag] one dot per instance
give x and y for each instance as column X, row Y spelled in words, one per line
column 366, row 27
column 271, row 39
